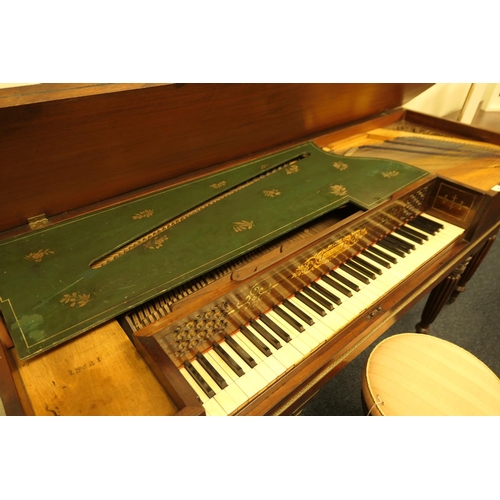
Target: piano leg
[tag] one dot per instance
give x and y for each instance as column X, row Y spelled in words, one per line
column 471, row 268
column 439, row 296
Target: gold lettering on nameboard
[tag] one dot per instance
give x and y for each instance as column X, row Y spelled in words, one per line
column 330, row 252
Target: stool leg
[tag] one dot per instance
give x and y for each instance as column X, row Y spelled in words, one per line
column 439, row 296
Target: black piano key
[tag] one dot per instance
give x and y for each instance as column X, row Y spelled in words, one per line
column 265, row 334
column 391, row 247
column 255, row 341
column 418, row 224
column 360, row 269
column 401, row 232
column 370, row 255
column 199, row 379
column 298, row 312
column 240, row 351
column 219, row 380
column 363, row 262
column 320, row 299
column 430, row 222
column 343, row 280
column 228, row 360
column 415, row 233
column 384, row 255
column 292, row 322
column 310, row 303
column 404, row 245
column 272, row 326
column 354, row 274
column 329, row 295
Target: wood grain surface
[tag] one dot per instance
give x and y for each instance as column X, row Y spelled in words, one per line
column 66, row 153
column 99, row 373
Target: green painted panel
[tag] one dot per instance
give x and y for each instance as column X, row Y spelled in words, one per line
column 49, row 292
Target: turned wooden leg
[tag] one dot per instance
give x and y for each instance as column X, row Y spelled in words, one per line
column 438, row 298
column 471, row 269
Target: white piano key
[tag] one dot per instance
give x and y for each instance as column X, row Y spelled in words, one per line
column 287, row 354
column 221, row 366
column 212, row 408
column 222, row 397
column 261, row 368
column 367, row 294
column 270, row 361
column 350, row 306
column 326, row 326
column 251, row 382
column 238, row 396
column 208, row 379
column 320, row 331
column 302, row 346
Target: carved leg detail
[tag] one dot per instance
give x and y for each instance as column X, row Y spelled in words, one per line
column 471, row 268
column 438, row 298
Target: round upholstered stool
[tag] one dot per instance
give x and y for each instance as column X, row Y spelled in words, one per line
column 417, row 374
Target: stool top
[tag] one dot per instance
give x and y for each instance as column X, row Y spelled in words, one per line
column 418, row 374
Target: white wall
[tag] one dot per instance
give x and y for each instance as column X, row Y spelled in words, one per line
column 7, row 85
column 441, row 99
column 445, row 98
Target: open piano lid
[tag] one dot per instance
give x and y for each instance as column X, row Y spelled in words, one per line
column 64, row 147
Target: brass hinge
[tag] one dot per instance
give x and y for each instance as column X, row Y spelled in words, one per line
column 38, row 221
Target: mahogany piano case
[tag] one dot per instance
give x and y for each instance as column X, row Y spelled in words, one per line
column 160, row 241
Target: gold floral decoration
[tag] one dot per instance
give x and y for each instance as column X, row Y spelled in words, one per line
column 271, row 193
column 256, row 294
column 144, row 214
column 76, row 299
column 338, row 190
column 155, row 243
column 292, row 169
column 218, row 185
column 263, row 167
column 340, row 165
column 38, row 256
column 242, row 225
column 388, row 175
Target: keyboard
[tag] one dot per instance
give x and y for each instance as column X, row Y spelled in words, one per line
column 232, row 372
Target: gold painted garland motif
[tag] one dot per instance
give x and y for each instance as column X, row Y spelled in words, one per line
column 144, row 214
column 38, row 256
column 76, row 299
